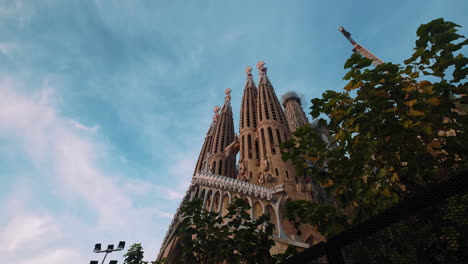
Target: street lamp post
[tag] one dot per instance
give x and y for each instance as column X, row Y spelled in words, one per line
column 110, row 248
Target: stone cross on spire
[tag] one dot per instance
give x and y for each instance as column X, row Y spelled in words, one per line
column 228, row 95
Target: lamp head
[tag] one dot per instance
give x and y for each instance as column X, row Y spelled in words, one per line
column 121, row 245
column 97, row 247
column 110, row 247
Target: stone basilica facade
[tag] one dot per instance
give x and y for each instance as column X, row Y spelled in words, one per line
column 261, row 176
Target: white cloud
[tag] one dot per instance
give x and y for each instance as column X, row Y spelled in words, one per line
column 56, row 256
column 67, row 155
column 80, row 126
column 51, row 138
column 23, row 230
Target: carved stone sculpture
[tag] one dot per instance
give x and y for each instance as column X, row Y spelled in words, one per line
column 242, row 169
column 248, row 70
column 261, row 180
column 260, row 65
column 264, row 163
column 228, row 95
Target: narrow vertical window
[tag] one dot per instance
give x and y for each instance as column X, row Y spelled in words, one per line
column 220, row 168
column 243, row 148
column 256, row 149
column 272, row 142
column 279, row 140
column 263, row 141
column 249, row 147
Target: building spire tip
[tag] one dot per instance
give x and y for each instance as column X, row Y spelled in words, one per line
column 228, row 95
column 216, row 114
column 248, row 70
column 261, row 68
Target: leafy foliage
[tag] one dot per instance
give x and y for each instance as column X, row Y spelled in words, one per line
column 328, row 219
column 396, row 130
column 135, row 255
column 207, row 237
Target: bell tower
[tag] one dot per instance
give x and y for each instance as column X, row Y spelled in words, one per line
column 223, row 135
column 272, row 131
column 248, row 140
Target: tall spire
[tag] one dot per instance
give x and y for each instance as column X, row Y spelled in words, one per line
column 223, row 135
column 269, row 107
column 249, row 157
column 272, row 130
column 202, row 163
column 294, row 113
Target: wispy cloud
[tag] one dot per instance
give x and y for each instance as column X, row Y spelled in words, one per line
column 104, row 106
column 26, row 230
column 74, row 153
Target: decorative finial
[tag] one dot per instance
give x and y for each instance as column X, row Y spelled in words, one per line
column 216, row 114
column 228, row 95
column 260, row 65
column 261, row 68
column 248, row 70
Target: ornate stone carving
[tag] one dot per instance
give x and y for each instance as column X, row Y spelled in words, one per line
column 264, row 164
column 216, row 114
column 264, row 177
column 222, row 182
column 260, row 65
column 261, row 179
column 207, row 162
column 248, row 70
column 243, row 170
column 228, row 95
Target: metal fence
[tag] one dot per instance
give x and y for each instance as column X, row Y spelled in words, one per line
column 428, row 227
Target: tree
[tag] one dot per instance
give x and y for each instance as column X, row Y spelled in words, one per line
column 397, row 129
column 207, row 237
column 135, row 255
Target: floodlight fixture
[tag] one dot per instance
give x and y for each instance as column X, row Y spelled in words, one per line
column 110, row 249
column 93, row 262
column 97, row 247
column 121, row 245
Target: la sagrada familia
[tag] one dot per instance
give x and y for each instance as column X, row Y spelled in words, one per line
column 261, row 177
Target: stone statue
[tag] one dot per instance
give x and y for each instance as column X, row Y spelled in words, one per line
column 207, row 162
column 264, row 163
column 242, row 167
column 261, row 178
column 264, row 177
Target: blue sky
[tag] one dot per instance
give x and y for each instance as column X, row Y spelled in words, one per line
column 104, row 104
